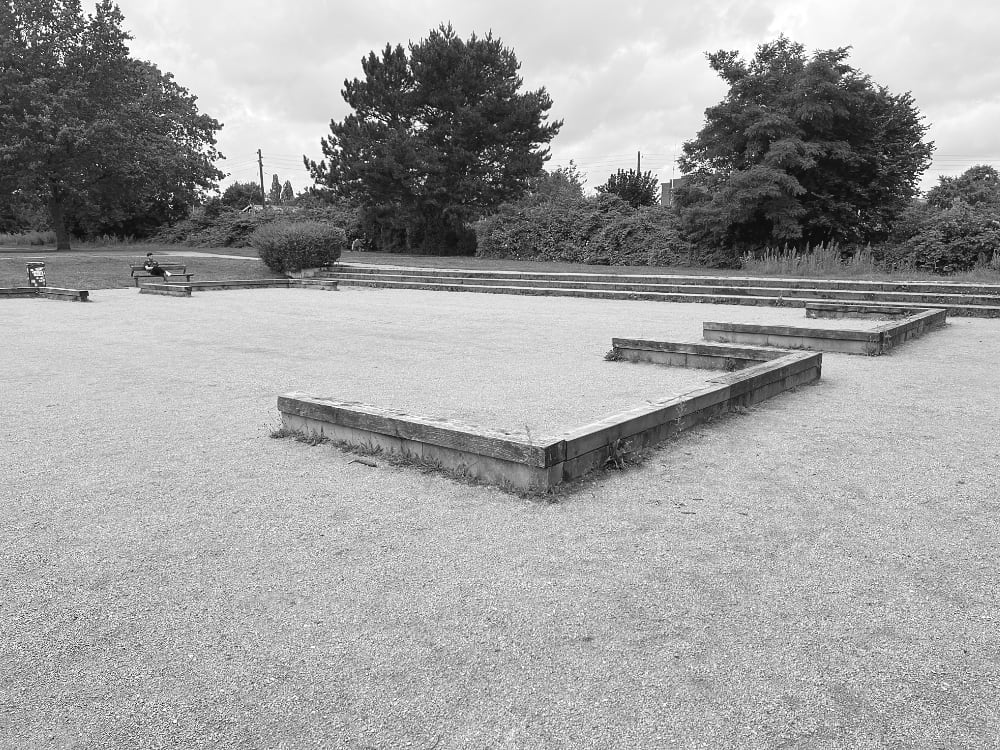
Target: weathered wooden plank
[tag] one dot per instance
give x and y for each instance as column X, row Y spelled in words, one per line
column 442, row 432
column 790, row 331
column 626, row 424
column 510, row 474
column 851, row 310
column 585, row 455
column 723, row 350
column 167, row 290
column 746, row 381
column 227, row 284
column 75, row 295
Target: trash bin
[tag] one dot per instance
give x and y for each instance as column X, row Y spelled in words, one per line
column 36, row 274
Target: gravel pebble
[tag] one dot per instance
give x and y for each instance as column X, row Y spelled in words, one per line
column 820, row 572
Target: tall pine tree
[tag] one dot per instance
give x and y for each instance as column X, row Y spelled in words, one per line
column 437, row 138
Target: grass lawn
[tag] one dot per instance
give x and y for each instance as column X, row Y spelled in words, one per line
column 820, row 572
column 96, row 267
column 108, row 268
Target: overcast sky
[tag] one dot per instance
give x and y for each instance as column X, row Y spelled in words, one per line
column 626, row 77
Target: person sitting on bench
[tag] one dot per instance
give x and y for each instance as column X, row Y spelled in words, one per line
column 153, row 268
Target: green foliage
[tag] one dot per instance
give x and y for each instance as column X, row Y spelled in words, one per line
column 437, row 138
column 632, row 187
column 954, row 231
column 288, row 247
column 803, row 150
column 824, row 261
column 953, row 239
column 561, row 183
column 27, row 239
column 603, row 231
column 106, row 142
column 20, row 214
column 228, row 227
column 287, row 194
column 274, row 194
column 241, row 194
column 212, row 207
column 977, row 185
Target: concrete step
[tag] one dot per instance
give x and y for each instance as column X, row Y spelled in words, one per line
column 621, row 284
column 720, row 298
column 481, row 275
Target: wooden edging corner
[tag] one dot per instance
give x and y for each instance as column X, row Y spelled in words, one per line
column 513, row 461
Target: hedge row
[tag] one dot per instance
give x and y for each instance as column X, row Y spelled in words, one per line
column 603, row 230
column 230, row 228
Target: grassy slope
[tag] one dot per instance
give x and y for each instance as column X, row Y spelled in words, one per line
column 95, row 267
column 108, row 268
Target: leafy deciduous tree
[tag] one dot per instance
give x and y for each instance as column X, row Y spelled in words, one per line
column 241, row 194
column 437, row 138
column 978, row 184
column 803, row 149
column 559, row 184
column 105, row 141
column 636, row 189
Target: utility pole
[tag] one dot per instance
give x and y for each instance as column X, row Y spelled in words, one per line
column 263, row 195
column 638, row 162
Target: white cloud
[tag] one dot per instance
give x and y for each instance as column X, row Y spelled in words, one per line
column 624, row 76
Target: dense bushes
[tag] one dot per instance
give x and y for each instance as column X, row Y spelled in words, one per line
column 218, row 226
column 214, row 228
column 953, row 239
column 290, row 246
column 603, row 230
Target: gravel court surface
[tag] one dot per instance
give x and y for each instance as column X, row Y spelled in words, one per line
column 820, row 572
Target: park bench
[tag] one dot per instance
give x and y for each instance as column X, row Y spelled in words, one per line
column 176, row 269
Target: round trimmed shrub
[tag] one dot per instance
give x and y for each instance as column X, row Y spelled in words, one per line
column 290, row 246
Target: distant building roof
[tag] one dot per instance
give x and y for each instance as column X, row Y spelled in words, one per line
column 666, row 188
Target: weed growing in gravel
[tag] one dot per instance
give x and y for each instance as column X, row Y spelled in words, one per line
column 616, row 456
column 309, row 438
column 613, row 355
column 679, row 420
column 406, row 459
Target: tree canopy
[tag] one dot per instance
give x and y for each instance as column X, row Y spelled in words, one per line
column 635, row 188
column 803, row 149
column 561, row 183
column 241, row 194
column 976, row 185
column 274, row 194
column 440, row 134
column 106, row 142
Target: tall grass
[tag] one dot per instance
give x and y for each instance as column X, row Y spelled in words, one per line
column 28, row 239
column 828, row 261
column 107, row 240
column 820, row 260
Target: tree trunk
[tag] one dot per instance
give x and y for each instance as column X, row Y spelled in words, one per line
column 58, row 216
